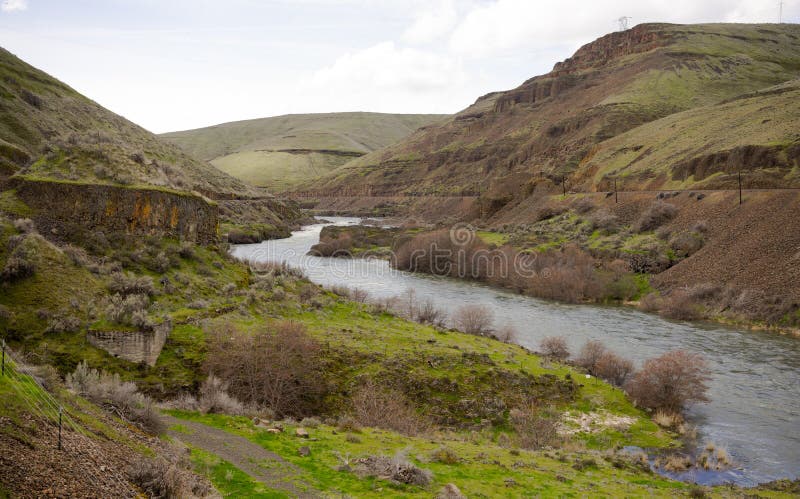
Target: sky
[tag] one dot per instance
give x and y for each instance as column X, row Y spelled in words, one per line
column 179, row 64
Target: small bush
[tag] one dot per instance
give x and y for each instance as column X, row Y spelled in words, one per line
column 680, row 305
column 507, row 334
column 670, row 382
column 605, row 221
column 214, row 398
column 25, row 225
column 613, row 368
column 590, row 355
column 120, row 397
column 131, row 285
column 63, row 323
column 445, row 455
column 554, row 347
column 536, row 427
column 656, row 215
column 77, row 256
column 129, row 310
column 428, row 313
column 583, row 205
column 378, row 407
column 169, row 476
column 18, row 266
column 474, row 319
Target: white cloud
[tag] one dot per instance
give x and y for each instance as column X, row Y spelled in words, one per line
column 14, row 5
column 433, row 23
column 388, row 78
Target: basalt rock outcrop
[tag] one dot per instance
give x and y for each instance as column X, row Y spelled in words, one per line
column 59, row 206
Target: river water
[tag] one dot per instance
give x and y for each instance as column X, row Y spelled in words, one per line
column 755, row 391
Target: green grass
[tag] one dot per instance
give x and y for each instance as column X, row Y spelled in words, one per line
column 482, row 471
column 257, row 151
column 229, row 480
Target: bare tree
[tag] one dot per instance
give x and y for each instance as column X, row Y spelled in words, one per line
column 555, row 347
column 671, row 382
column 474, row 319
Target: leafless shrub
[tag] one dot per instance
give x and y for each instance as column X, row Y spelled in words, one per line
column 31, row 98
column 536, row 427
column 77, row 255
column 651, row 302
column 63, row 323
column 686, row 243
column 199, row 304
column 506, row 333
column 701, row 227
column 131, row 285
column 670, row 382
column 130, row 310
column 450, row 491
column 549, row 211
column 119, row 397
column 428, row 313
column 138, row 157
column 25, row 225
column 214, row 398
column 603, row 220
column 583, row 205
column 613, row 368
column 379, row 407
column 680, row 305
column 554, row 347
column 279, row 368
column 397, row 469
column 474, row 319
column 169, row 476
column 655, row 216
column 445, row 455
column 590, row 355
column 19, row 265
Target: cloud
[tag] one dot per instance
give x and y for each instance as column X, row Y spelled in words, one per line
column 390, row 78
column 432, row 24
column 14, row 5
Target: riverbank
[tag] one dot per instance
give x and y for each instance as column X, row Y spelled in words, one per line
column 755, row 436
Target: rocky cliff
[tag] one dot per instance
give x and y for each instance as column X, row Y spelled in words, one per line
column 63, row 206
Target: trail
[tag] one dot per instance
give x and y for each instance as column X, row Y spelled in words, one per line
column 262, row 465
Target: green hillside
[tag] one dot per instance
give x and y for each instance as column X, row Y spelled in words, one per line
column 48, row 130
column 283, row 151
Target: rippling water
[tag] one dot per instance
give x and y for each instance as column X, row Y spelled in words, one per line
column 755, row 390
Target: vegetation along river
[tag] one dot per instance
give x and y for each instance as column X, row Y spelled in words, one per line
column 755, row 391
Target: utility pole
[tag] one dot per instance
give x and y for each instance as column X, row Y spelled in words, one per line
column 780, row 13
column 60, row 410
column 616, row 198
column 740, row 187
column 4, row 358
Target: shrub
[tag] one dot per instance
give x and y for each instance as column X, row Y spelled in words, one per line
column 613, row 368
column 18, row 266
column 77, row 256
column 506, row 333
column 280, row 369
column 590, row 355
column 686, row 243
column 536, row 427
column 555, row 347
column 427, row 312
column 474, row 319
column 117, row 396
column 214, row 398
column 656, row 215
column 680, row 305
column 670, row 382
column 129, row 310
column 445, row 455
column 25, row 225
column 603, row 220
column 583, row 205
column 63, row 323
column 131, row 285
column 168, row 476
column 379, row 407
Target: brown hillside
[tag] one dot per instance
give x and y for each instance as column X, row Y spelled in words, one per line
column 548, row 128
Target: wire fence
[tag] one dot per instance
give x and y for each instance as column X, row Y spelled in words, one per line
column 50, row 411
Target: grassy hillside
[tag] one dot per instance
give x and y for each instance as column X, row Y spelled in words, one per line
column 283, row 151
column 551, row 126
column 48, row 130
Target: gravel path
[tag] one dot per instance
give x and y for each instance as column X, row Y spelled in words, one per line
column 262, row 465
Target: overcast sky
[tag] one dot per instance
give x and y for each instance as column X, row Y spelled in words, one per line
column 178, row 64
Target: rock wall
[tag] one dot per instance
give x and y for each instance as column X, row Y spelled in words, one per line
column 139, row 211
column 133, row 346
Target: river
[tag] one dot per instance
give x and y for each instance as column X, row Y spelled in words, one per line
column 755, row 391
